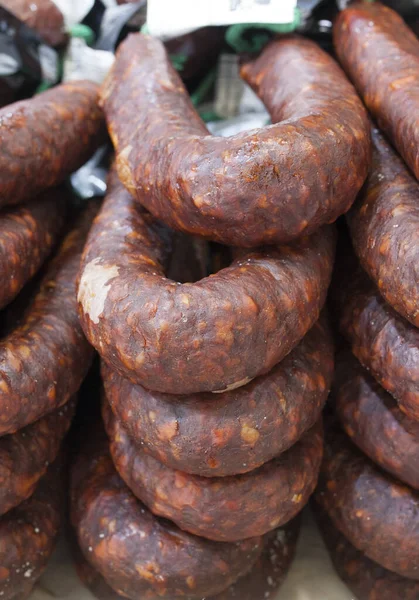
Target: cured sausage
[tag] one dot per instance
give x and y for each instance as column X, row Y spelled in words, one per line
column 213, row 335
column 46, row 138
column 27, row 236
column 384, row 224
column 138, row 554
column 46, row 357
column 28, row 535
column 224, row 509
column 374, row 511
column 235, row 432
column 41, row 15
column 373, row 421
column 267, row 186
column 384, row 342
column 381, row 55
column 260, row 583
column 364, row 577
column 26, row 454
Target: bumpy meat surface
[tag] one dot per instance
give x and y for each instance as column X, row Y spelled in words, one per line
column 213, row 335
column 381, row 55
column 46, row 138
column 384, row 225
column 266, row 186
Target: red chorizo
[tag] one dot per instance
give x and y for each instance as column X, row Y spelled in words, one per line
column 373, row 421
column 235, row 432
column 138, row 554
column 381, row 55
column 46, row 138
column 26, row 454
column 384, row 342
column 27, row 236
column 46, row 357
column 364, row 577
column 384, row 230
column 374, row 511
column 28, row 535
column 41, row 15
column 260, row 583
column 216, row 334
column 267, row 186
column 224, row 509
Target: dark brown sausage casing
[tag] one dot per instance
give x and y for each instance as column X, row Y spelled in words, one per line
column 26, row 454
column 41, row 15
column 385, row 343
column 267, row 186
column 138, row 554
column 224, row 509
column 374, row 511
column 364, row 577
column 381, row 55
column 235, row 432
column 46, row 138
column 372, row 419
column 28, row 535
column 212, row 335
column 27, row 235
column 384, row 223
column 46, row 357
column 261, row 583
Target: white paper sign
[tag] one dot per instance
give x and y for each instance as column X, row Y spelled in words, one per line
column 166, row 18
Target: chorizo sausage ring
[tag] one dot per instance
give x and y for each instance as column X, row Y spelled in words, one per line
column 373, row 421
column 384, row 343
column 223, row 509
column 267, row 186
column 216, row 334
column 364, row 577
column 41, row 15
column 374, row 511
column 28, row 534
column 46, row 138
column 262, row 582
column 381, row 55
column 235, row 432
column 46, row 357
column 384, row 223
column 26, row 454
column 27, row 236
column 138, row 554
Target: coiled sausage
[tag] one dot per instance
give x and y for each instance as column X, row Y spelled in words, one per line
column 268, row 186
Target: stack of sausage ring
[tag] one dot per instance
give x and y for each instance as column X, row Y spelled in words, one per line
column 368, row 497
column 44, row 355
column 212, row 389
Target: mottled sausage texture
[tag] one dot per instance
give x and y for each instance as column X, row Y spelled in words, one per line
column 372, row 419
column 139, row 555
column 41, row 15
column 28, row 535
column 212, row 335
column 261, row 583
column 267, row 186
column 46, row 357
column 224, row 509
column 26, row 454
column 384, row 226
column 381, row 55
column 364, row 577
column 235, row 432
column 374, row 511
column 27, row 235
column 46, row 138
column 384, row 342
